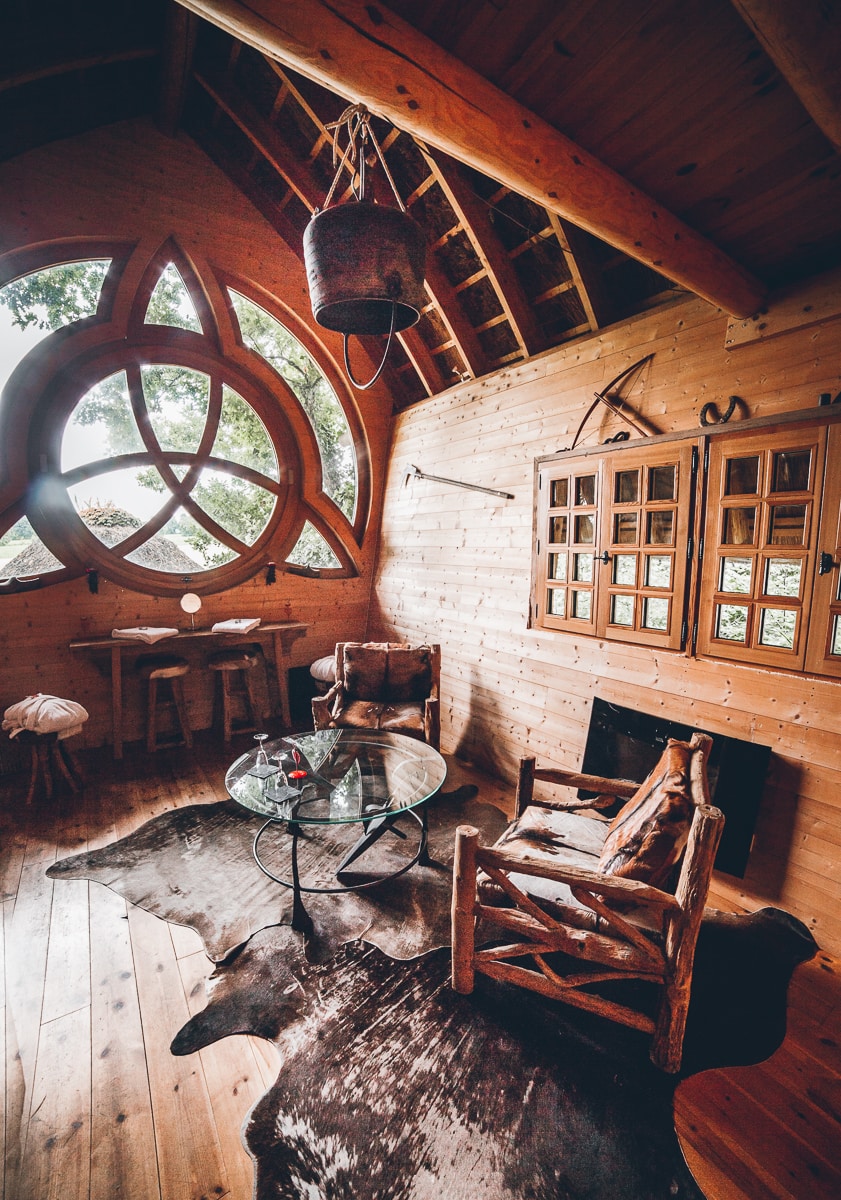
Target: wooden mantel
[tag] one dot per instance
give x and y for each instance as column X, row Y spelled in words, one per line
column 371, row 56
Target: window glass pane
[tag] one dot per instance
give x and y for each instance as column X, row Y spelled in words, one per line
column 240, row 507
column 581, row 602
column 782, row 576
column 777, row 627
column 627, row 487
column 585, row 531
column 282, row 350
column 22, row 553
column 735, row 575
column 558, row 530
column 788, row 525
column 658, row 572
column 661, row 482
column 660, row 528
column 101, row 425
column 557, row 602
column 203, row 550
column 311, row 550
column 171, row 304
column 242, row 436
column 559, row 494
column 836, row 636
column 114, row 504
column 731, row 622
column 625, row 569
column 36, row 304
column 583, row 568
column 739, row 526
column 625, row 529
column 791, row 471
column 557, row 566
column 585, row 489
column 655, row 613
column 622, row 610
column 742, row 476
column 176, row 399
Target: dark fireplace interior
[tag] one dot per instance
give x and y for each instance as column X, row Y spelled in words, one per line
column 625, row 744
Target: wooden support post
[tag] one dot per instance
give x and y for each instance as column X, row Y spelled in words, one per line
column 464, row 900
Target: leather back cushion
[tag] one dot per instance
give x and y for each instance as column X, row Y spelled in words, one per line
column 648, row 835
column 365, row 671
column 409, row 674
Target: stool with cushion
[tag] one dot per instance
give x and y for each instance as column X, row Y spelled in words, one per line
column 235, row 668
column 323, row 673
column 44, row 723
column 168, row 670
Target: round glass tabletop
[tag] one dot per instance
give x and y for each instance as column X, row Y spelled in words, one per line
column 344, row 775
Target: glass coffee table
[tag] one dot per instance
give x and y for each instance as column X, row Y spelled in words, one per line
column 337, row 777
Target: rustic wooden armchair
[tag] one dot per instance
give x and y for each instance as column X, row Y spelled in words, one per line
column 388, row 686
column 562, row 886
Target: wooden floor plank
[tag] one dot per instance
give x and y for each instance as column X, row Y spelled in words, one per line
column 234, row 1081
column 59, row 1134
column 123, row 1148
column 190, row 1161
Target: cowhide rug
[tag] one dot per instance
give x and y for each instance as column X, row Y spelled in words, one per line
column 393, row 1087
column 193, row 866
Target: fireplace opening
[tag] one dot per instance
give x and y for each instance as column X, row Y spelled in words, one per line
column 625, row 744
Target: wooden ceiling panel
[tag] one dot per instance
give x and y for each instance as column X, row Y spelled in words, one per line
column 703, row 106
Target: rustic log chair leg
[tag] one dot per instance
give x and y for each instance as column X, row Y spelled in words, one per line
column 463, row 914
column 33, row 775
column 43, row 745
column 61, row 756
column 227, row 706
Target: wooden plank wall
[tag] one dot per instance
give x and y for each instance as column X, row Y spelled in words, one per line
column 454, row 568
column 130, row 181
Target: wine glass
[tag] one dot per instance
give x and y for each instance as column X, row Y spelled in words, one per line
column 262, row 757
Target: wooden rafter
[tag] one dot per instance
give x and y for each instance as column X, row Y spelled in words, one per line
column 368, row 54
column 803, row 41
column 473, row 217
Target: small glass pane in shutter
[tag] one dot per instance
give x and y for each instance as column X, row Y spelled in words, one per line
column 739, row 526
column 581, row 605
column 559, row 497
column 625, row 569
column 622, row 610
column 735, row 575
column 656, row 613
column 658, row 570
column 558, row 566
column 731, row 622
column 777, row 627
column 782, row 576
column 627, row 487
column 625, row 529
column 583, row 568
column 661, row 482
column 742, row 476
column 558, row 530
column 585, row 531
column 788, row 525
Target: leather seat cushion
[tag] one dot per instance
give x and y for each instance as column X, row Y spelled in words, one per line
column 555, row 838
column 390, row 718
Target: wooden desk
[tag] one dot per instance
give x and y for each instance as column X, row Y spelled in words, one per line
column 282, row 633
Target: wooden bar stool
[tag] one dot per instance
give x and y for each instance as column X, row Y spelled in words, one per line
column 168, row 669
column 236, row 665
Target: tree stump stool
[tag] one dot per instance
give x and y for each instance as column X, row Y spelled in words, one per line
column 235, row 666
column 169, row 670
column 323, row 673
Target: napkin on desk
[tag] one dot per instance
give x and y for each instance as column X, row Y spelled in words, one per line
column 145, row 633
column 236, row 625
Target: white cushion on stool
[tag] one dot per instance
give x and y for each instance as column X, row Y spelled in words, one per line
column 45, row 714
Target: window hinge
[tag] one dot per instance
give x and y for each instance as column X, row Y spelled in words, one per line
column 700, row 550
column 538, row 545
column 684, row 630
column 694, row 646
column 690, row 547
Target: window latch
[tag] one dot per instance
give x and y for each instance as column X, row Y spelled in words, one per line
column 827, row 562
column 604, row 557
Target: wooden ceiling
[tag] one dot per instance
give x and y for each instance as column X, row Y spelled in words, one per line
column 572, row 162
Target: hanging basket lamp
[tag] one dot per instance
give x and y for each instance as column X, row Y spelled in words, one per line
column 365, row 261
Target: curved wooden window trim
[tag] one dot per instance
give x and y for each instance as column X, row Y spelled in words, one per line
column 57, row 373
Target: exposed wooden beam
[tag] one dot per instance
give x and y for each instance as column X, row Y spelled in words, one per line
column 473, row 215
column 369, row 55
column 804, row 42
column 452, row 315
column 177, row 62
